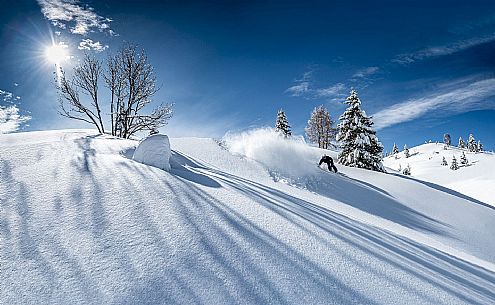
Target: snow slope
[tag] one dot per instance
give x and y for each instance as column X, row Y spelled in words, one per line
column 80, row 222
column 476, row 180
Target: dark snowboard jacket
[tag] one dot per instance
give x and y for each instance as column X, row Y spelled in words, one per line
column 326, row 159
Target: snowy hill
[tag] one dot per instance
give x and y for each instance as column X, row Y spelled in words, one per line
column 477, row 179
column 250, row 221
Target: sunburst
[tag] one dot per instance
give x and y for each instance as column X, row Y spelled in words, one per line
column 57, row 53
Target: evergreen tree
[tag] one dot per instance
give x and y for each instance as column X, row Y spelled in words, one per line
column 444, row 162
column 407, row 170
column 464, row 160
column 446, row 139
column 395, row 150
column 461, row 143
column 471, row 144
column 358, row 141
column 406, row 151
column 454, row 165
column 282, row 125
column 480, row 146
column 320, row 128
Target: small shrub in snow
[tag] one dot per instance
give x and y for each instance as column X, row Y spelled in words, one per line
column 407, row 170
column 444, row 162
column 454, row 165
column 154, row 150
column 464, row 160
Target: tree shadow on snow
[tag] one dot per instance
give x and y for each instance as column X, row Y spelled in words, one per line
column 430, row 265
column 371, row 199
column 180, row 166
column 446, row 190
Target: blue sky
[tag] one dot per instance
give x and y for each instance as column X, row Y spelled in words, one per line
column 421, row 69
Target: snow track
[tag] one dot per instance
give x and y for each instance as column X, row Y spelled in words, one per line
column 81, row 223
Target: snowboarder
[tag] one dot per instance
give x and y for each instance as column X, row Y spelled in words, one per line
column 329, row 161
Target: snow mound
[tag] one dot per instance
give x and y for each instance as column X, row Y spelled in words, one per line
column 289, row 158
column 154, row 151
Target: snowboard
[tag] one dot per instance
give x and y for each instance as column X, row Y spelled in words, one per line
column 327, row 171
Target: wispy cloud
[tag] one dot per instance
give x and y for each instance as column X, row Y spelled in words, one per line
column 365, row 72
column 299, row 89
column 471, row 96
column 304, row 87
column 77, row 18
column 330, row 92
column 10, row 119
column 436, row 51
column 88, row 44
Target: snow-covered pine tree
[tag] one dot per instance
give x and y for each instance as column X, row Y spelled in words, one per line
column 282, row 125
column 320, row 128
column 461, row 143
column 480, row 146
column 471, row 144
column 406, row 151
column 395, row 150
column 464, row 160
column 454, row 165
column 407, row 170
column 444, row 162
column 358, row 141
column 446, row 139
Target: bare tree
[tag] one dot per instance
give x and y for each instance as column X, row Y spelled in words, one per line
column 320, row 128
column 85, row 80
column 115, row 81
column 132, row 84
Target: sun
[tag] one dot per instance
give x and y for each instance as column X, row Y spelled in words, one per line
column 56, row 53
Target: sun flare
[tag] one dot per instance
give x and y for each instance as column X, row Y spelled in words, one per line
column 56, row 53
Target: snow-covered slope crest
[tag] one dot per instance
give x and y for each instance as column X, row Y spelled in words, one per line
column 82, row 223
column 476, row 179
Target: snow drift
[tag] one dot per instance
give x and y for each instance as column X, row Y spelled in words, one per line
column 154, row 150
